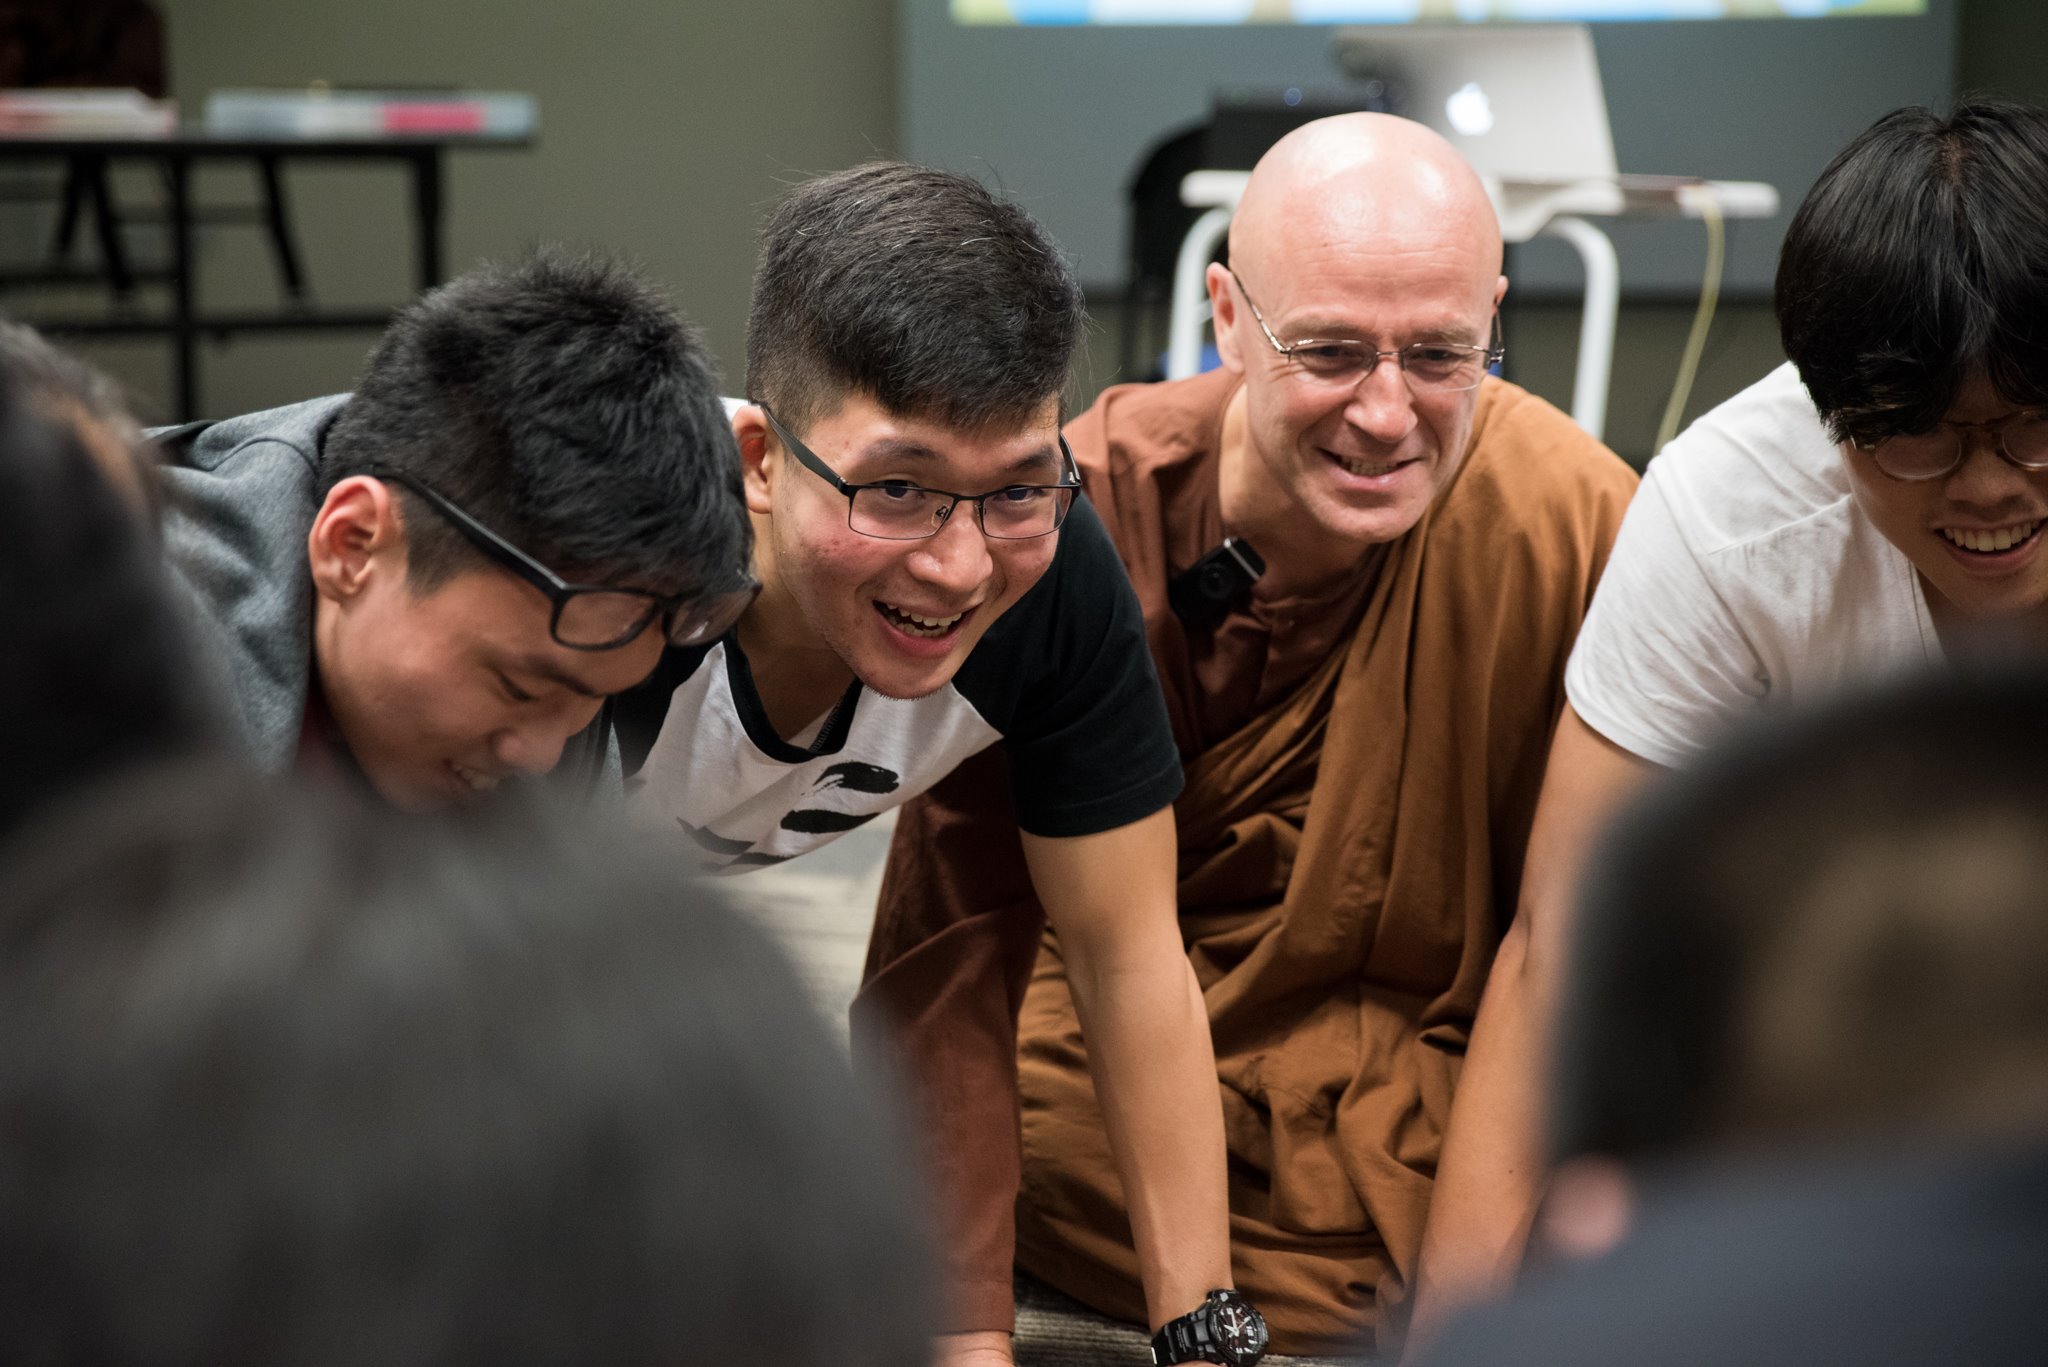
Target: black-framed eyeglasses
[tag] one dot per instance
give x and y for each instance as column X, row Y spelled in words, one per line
column 897, row 510
column 1429, row 367
column 593, row 616
column 2019, row 439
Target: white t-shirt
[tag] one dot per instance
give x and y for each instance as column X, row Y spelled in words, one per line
column 1744, row 574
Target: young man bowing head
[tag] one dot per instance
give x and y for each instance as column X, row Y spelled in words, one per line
column 932, row 587
column 434, row 584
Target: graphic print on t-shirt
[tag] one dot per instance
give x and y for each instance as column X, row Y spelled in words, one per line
column 734, row 796
column 864, row 778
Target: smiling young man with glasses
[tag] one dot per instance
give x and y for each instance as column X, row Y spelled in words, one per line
column 438, row 582
column 1360, row 560
column 1874, row 505
column 932, row 590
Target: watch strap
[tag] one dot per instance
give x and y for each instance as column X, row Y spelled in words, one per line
column 1193, row 1337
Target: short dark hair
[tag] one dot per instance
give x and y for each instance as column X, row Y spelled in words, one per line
column 287, row 1080
column 96, row 669
column 1831, row 928
column 917, row 287
column 1920, row 259
column 566, row 405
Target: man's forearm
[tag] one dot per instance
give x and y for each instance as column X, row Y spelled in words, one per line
column 1155, row 1077
column 1112, row 900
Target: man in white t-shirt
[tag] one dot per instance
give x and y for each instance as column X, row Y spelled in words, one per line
column 1868, row 507
column 1747, row 569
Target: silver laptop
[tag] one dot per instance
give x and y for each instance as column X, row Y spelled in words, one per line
column 1523, row 103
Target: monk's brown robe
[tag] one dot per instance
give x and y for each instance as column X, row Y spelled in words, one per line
column 1362, row 771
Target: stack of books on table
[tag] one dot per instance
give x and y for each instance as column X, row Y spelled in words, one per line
column 85, row 114
column 323, row 113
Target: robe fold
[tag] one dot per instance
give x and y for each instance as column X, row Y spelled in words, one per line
column 1362, row 770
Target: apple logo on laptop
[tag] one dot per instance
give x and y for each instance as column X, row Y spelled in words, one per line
column 1469, row 110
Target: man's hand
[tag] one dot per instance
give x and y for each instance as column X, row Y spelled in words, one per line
column 982, row 1348
column 1490, row 1174
column 1113, row 900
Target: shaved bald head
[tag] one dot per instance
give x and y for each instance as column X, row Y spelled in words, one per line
column 1359, row 177
column 1359, row 231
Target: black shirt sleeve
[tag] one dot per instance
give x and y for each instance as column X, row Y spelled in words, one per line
column 1067, row 677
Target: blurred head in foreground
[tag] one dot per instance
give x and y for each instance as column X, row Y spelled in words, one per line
column 1802, row 1090
column 1833, row 931
column 94, row 669
column 286, row 1082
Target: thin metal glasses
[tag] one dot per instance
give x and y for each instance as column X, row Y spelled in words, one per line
column 897, row 510
column 593, row 616
column 2019, row 439
column 1439, row 367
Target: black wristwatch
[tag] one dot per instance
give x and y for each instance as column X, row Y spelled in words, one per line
column 1223, row 1328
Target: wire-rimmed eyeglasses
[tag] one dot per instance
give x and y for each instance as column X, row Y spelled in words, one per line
column 1438, row 367
column 2019, row 439
column 593, row 616
column 897, row 510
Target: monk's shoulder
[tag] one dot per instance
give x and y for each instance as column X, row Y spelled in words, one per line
column 1529, row 454
column 1145, row 427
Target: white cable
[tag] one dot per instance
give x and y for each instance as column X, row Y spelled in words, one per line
column 1703, row 319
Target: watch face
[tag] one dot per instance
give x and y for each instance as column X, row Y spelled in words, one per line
column 1241, row 1332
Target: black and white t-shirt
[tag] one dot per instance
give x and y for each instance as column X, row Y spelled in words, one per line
column 1063, row 679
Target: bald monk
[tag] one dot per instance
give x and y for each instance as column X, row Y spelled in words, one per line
column 1363, row 727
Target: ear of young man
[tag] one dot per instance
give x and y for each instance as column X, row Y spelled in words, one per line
column 356, row 535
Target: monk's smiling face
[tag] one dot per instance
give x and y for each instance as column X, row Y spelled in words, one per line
column 1365, row 230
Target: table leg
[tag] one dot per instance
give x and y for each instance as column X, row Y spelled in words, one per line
column 278, row 219
column 184, row 336
column 107, row 229
column 77, row 185
column 426, row 201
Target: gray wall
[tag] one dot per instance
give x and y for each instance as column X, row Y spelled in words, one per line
column 2000, row 49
